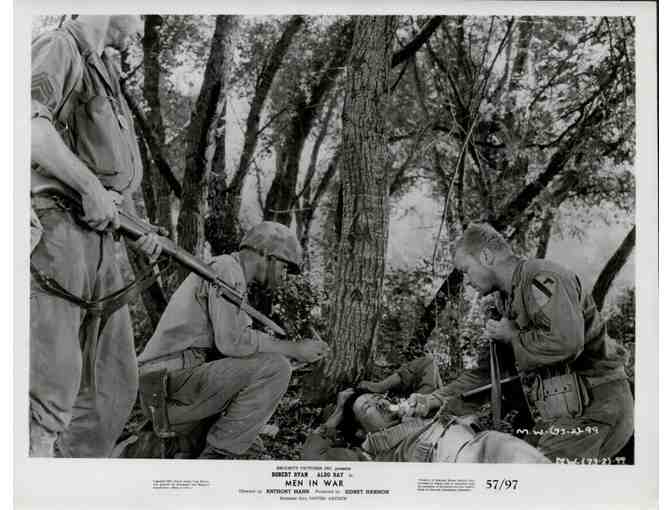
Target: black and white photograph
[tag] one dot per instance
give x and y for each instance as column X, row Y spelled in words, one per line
column 325, row 240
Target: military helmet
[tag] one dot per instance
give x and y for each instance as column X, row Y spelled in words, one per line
column 272, row 239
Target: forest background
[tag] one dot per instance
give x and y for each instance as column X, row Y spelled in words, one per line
column 379, row 139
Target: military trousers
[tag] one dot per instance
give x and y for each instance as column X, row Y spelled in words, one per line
column 239, row 394
column 84, row 418
column 598, row 434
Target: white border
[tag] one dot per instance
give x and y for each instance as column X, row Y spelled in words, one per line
column 127, row 483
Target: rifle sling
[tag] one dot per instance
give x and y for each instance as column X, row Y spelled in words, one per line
column 105, row 306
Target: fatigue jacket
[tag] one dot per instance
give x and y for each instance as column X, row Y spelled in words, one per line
column 559, row 325
column 78, row 90
column 198, row 317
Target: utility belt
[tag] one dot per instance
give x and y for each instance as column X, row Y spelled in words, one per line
column 154, row 384
column 559, row 392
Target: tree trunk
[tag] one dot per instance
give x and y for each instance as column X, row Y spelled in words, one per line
column 190, row 224
column 151, row 44
column 358, row 288
column 545, row 232
column 612, row 268
column 282, row 192
column 448, row 292
column 305, row 217
column 153, row 298
column 522, row 50
column 222, row 225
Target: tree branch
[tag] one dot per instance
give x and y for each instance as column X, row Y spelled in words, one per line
column 154, row 147
column 612, row 268
column 411, row 48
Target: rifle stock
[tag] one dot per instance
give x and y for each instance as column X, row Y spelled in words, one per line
column 133, row 228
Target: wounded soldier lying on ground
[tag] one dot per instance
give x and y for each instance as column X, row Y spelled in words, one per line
column 375, row 431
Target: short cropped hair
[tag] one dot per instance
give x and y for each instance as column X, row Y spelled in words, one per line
column 349, row 425
column 479, row 236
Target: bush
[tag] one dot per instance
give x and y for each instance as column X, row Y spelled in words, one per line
column 621, row 326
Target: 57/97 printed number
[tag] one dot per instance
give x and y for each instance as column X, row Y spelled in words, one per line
column 501, row 485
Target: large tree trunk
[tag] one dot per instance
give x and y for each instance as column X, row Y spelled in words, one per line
column 358, row 288
column 282, row 193
column 612, row 268
column 221, row 226
column 209, row 105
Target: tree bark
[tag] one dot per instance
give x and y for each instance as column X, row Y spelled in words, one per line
column 190, row 224
column 153, row 298
column 151, row 44
column 545, row 233
column 448, row 292
column 304, row 218
column 282, row 192
column 221, row 227
column 612, row 268
column 358, row 288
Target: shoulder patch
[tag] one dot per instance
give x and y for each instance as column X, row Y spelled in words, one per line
column 543, row 287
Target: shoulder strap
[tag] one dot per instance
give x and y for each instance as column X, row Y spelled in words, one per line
column 65, row 110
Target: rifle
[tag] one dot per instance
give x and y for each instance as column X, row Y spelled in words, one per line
column 133, row 228
column 487, row 387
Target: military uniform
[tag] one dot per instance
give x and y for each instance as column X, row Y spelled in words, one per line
column 215, row 372
column 78, row 91
column 572, row 372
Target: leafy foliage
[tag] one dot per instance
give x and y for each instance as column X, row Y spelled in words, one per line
column 621, row 326
column 296, row 304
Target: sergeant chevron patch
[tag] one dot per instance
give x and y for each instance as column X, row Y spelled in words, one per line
column 42, row 87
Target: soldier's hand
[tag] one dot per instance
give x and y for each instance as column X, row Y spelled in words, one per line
column 150, row 246
column 420, row 405
column 100, row 208
column 310, row 351
column 502, row 331
column 371, row 386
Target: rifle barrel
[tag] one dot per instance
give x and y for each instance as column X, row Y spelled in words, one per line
column 487, row 387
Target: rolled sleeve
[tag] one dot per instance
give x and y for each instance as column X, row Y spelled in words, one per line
column 53, row 72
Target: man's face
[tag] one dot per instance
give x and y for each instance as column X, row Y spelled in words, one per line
column 123, row 30
column 480, row 277
column 372, row 412
column 276, row 273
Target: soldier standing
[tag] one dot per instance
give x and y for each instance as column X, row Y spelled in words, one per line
column 83, row 371
column 573, row 374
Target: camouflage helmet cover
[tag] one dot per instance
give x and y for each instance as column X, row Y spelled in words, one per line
column 274, row 239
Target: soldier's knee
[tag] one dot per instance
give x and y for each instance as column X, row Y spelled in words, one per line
column 275, row 366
